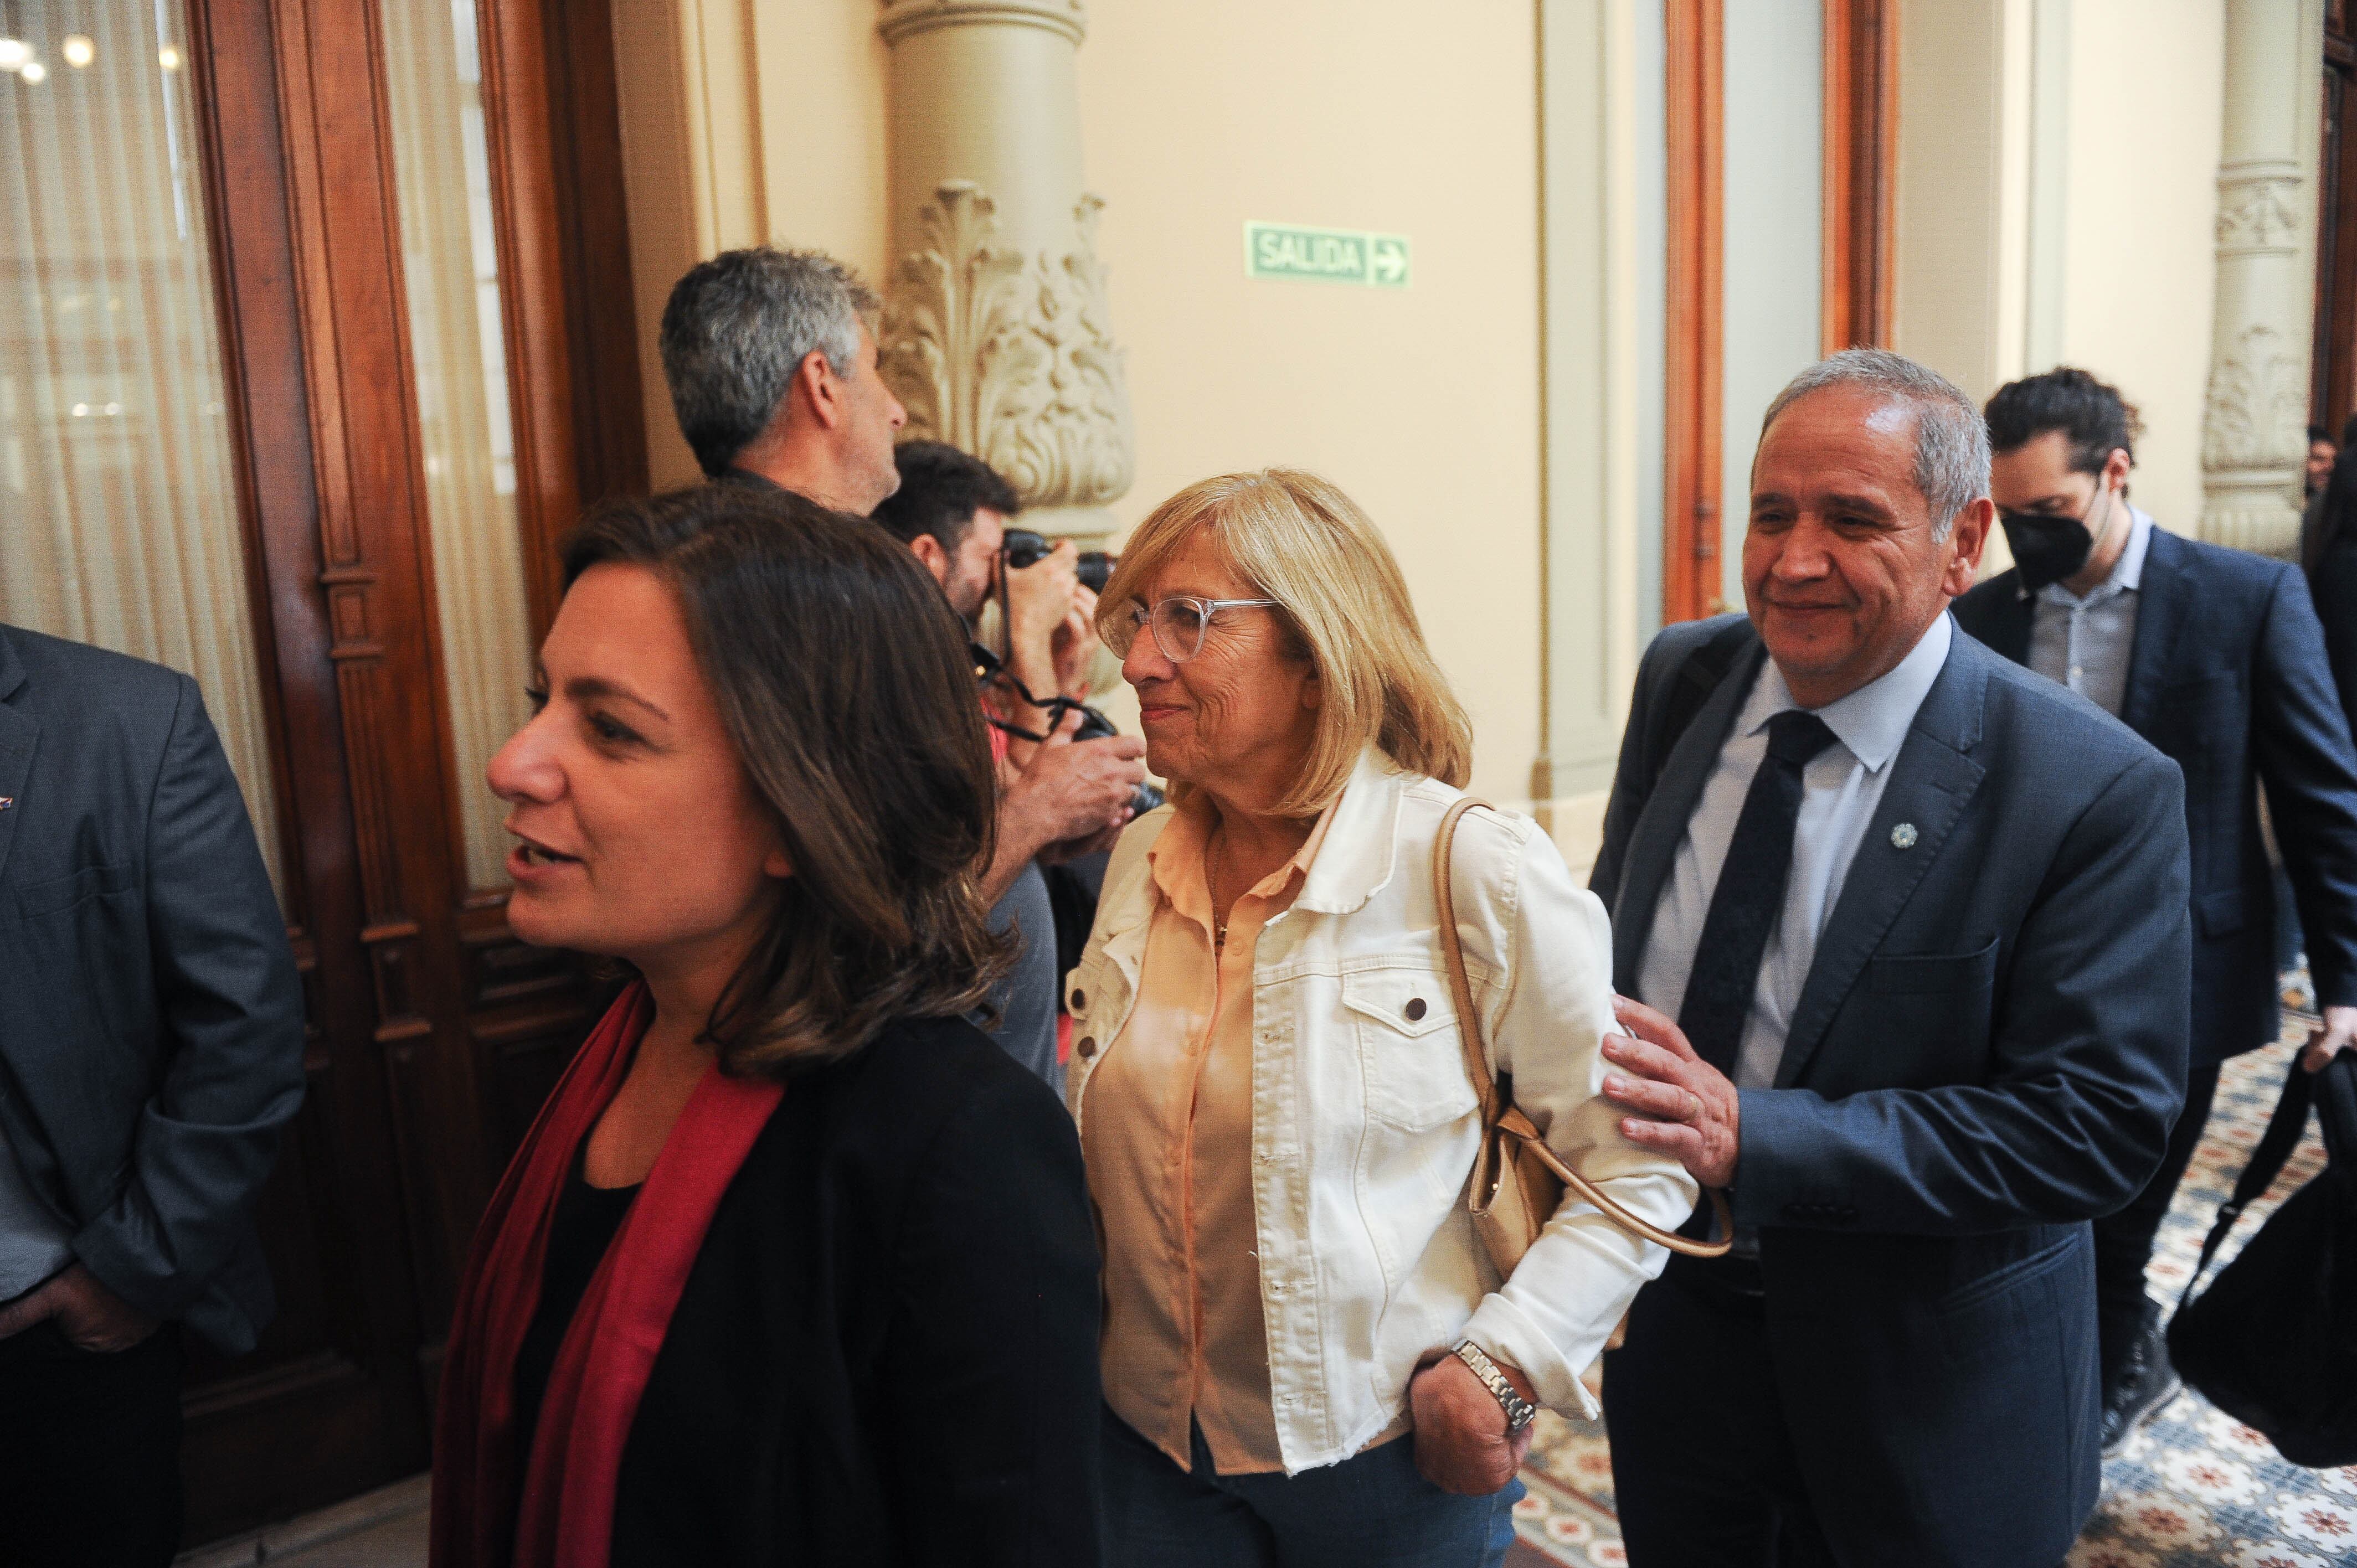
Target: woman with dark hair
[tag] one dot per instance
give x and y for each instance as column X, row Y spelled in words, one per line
column 795, row 1265
column 2329, row 552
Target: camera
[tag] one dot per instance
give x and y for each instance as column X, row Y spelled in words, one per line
column 1024, row 548
column 1094, row 726
column 989, row 671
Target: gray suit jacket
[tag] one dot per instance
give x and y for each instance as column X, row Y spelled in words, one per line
column 151, row 1035
column 1989, row 1053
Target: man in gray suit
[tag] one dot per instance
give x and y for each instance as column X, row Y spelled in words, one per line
column 1920, row 918
column 151, row 1047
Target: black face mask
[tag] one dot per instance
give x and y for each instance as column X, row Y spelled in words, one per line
column 2047, row 549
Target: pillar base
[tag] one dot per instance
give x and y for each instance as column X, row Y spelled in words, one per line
column 2247, row 509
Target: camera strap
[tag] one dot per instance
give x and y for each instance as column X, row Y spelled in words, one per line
column 990, row 671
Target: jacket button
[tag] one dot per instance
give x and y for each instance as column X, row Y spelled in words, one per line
column 1080, row 1000
column 1088, row 1045
column 1415, row 1008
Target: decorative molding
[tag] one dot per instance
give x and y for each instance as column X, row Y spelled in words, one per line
column 905, row 18
column 2258, row 214
column 1009, row 357
column 2256, row 411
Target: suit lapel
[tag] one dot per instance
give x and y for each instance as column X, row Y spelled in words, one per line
column 1934, row 777
column 1662, row 825
column 2009, row 618
column 2161, row 595
column 21, row 734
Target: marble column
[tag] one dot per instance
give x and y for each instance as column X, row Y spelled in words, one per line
column 996, row 326
column 2254, row 430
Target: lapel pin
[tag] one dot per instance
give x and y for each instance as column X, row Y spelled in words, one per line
column 1903, row 836
column 6, row 801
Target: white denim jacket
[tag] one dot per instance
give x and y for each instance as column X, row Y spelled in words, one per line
column 1364, row 1125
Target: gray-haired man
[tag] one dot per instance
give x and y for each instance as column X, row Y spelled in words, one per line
column 1920, row 917
column 772, row 361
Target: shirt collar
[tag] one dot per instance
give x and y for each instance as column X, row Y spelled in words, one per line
column 2128, row 571
column 1873, row 720
column 1178, row 853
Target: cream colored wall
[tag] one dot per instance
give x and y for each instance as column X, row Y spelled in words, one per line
column 2126, row 169
column 1961, row 230
column 744, row 122
column 2141, row 249
column 1423, row 402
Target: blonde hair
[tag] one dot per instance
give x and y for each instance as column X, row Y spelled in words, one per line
column 1298, row 540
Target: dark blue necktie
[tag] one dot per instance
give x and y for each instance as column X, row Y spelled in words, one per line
column 1750, row 893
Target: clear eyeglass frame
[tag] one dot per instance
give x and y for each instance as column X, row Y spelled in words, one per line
column 1178, row 624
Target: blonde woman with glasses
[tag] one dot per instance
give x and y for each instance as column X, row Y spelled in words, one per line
column 1308, row 1358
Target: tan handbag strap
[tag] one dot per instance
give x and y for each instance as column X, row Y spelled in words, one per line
column 1477, row 1068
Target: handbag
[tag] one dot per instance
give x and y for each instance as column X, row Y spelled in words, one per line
column 2273, row 1341
column 1518, row 1181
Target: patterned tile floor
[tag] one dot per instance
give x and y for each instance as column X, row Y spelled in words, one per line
column 2193, row 1487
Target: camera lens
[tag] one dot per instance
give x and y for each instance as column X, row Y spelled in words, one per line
column 1096, row 569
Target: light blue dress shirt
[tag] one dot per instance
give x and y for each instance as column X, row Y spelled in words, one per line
column 1840, row 789
column 2087, row 643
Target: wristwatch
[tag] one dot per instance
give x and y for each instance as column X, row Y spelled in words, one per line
column 1518, row 1411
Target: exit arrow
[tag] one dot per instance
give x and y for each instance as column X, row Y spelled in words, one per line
column 1387, row 259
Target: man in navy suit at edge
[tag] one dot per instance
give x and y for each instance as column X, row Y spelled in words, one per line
column 1920, row 917
column 2216, row 657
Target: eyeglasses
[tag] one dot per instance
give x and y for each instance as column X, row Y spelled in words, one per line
column 1177, row 623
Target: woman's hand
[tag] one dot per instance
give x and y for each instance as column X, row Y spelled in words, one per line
column 1461, row 1441
column 1684, row 1106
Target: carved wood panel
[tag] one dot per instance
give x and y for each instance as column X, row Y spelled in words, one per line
column 432, row 1033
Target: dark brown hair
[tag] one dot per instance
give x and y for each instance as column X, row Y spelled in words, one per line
column 842, row 675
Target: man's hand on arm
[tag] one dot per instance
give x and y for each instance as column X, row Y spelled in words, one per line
column 1684, row 1107
column 90, row 1316
column 1068, row 795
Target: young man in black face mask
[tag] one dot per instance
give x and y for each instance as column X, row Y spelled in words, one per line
column 2215, row 656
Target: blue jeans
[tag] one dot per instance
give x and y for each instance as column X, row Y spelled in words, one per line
column 1373, row 1510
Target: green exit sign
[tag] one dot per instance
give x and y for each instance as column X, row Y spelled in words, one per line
column 1325, row 255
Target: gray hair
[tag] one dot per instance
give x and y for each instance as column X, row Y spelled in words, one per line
column 737, row 327
column 1952, row 442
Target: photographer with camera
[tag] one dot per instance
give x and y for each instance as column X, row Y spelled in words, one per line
column 1065, row 791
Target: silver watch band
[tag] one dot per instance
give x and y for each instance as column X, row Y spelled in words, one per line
column 1518, row 1411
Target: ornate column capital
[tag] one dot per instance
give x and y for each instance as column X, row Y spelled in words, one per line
column 2255, row 415
column 905, row 18
column 1008, row 356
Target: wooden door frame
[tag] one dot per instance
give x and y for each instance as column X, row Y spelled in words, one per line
column 1861, row 54
column 418, row 997
column 1861, row 160
column 265, row 1438
column 1696, row 103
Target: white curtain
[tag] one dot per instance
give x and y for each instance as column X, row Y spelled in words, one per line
column 119, row 521
column 450, row 267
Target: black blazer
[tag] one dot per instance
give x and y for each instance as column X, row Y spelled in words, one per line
column 151, row 1022
column 886, row 1351
column 2228, row 679
column 1989, row 1053
column 2334, row 586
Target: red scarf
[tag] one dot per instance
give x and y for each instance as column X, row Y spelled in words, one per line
column 563, row 1514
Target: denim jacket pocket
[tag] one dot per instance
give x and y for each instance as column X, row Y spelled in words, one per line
column 1409, row 1049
